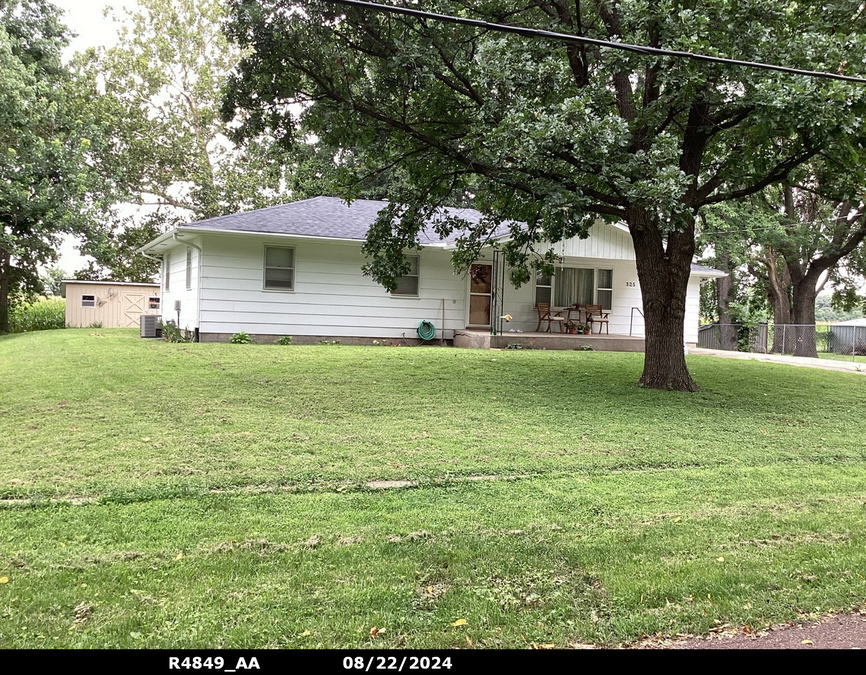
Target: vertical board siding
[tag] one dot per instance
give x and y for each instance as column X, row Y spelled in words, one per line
column 605, row 241
column 112, row 306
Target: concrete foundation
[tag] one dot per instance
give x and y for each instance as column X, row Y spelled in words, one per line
column 472, row 339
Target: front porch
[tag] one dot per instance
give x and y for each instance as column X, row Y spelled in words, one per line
column 482, row 339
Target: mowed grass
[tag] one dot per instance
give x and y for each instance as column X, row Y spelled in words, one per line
column 164, row 495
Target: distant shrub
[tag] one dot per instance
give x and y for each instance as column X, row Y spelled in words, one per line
column 96, row 324
column 241, row 338
column 43, row 314
column 171, row 333
column 284, row 340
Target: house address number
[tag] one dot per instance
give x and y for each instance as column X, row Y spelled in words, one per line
column 630, row 284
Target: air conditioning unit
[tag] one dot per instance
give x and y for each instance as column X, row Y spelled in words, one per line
column 148, row 325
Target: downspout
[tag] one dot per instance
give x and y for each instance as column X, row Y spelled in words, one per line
column 198, row 282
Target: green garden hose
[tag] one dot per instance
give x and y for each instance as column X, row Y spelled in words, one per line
column 426, row 330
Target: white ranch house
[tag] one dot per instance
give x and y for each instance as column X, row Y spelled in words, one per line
column 295, row 270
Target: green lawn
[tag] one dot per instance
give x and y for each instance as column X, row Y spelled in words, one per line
column 177, row 495
column 841, row 357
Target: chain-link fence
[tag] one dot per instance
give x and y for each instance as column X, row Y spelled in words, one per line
column 791, row 339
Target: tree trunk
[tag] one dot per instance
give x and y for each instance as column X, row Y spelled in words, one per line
column 805, row 293
column 725, row 294
column 663, row 271
column 5, row 273
column 779, row 278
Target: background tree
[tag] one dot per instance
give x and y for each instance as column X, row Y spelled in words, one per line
column 794, row 239
column 52, row 281
column 553, row 134
column 162, row 144
column 42, row 145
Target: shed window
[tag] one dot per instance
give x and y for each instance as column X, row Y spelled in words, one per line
column 279, row 268
column 188, row 268
column 88, row 301
column 408, row 283
column 153, row 302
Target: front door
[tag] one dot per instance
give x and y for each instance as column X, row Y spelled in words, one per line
column 480, row 294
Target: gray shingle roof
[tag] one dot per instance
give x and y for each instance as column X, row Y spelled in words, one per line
column 323, row 217
column 330, row 217
column 701, row 271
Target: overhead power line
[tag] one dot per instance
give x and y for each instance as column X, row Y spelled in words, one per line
column 566, row 37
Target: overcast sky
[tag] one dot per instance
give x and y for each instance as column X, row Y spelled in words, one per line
column 84, row 17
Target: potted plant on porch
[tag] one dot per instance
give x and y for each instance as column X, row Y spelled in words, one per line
column 572, row 327
column 586, row 329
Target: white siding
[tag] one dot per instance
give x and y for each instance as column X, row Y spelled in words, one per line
column 177, row 288
column 693, row 310
column 605, row 241
column 331, row 296
column 520, row 303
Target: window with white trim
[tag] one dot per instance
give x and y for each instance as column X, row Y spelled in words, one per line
column 543, row 287
column 166, row 262
column 407, row 285
column 575, row 285
column 153, row 302
column 189, row 268
column 279, row 268
column 604, row 290
column 88, row 301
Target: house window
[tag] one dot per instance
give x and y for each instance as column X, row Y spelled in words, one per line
column 604, row 291
column 279, row 268
column 167, row 271
column 88, row 301
column 153, row 302
column 575, row 285
column 408, row 283
column 188, row 268
column 543, row 286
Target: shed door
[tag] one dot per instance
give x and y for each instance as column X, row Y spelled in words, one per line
column 480, row 293
column 133, row 307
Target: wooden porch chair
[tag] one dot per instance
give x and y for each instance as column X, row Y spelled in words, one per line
column 596, row 315
column 544, row 314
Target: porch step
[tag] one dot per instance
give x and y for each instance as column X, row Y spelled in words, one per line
column 479, row 339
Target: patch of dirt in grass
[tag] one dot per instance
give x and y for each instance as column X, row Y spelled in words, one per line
column 72, row 501
column 791, row 538
column 106, row 559
column 260, row 546
column 412, row 536
column 541, row 588
column 347, row 541
column 312, row 542
column 82, row 612
column 431, row 592
column 390, row 484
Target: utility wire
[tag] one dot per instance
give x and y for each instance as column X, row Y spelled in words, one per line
column 566, row 37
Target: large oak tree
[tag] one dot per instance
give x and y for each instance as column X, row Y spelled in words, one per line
column 557, row 134
column 43, row 144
